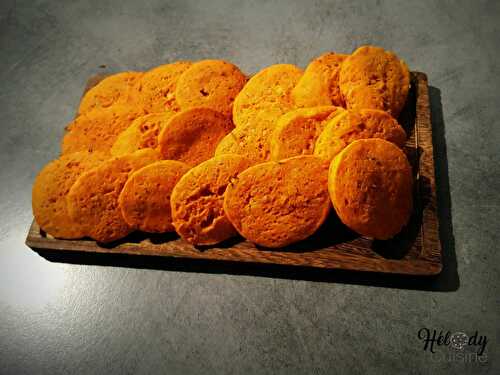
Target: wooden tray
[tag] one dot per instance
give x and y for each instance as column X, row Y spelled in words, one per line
column 415, row 251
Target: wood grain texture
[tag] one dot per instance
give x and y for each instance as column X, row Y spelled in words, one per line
column 415, row 251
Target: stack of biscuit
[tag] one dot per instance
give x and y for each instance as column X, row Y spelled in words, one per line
column 201, row 149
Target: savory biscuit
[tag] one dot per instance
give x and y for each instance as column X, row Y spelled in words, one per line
column 210, row 83
column 98, row 129
column 156, row 88
column 51, row 187
column 297, row 131
column 320, row 83
column 116, row 88
column 93, row 198
column 266, row 96
column 275, row 204
column 142, row 133
column 374, row 78
column 145, row 198
column 352, row 125
column 191, row 136
column 249, row 140
column 197, row 200
column 370, row 185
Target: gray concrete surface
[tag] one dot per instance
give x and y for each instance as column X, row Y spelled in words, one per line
column 57, row 317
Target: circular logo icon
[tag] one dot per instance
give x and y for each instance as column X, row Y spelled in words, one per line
column 459, row 340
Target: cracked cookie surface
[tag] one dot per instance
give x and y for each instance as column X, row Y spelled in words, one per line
column 93, row 198
column 251, row 141
column 297, row 131
column 197, row 200
column 210, row 83
column 51, row 187
column 266, row 96
column 142, row 133
column 156, row 88
column 352, row 125
column 374, row 78
column 98, row 129
column 320, row 83
column 118, row 88
column 192, row 136
column 370, row 185
column 145, row 198
column 277, row 203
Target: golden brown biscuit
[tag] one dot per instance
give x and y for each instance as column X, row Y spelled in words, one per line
column 142, row 133
column 157, row 87
column 51, row 187
column 266, row 96
column 197, row 199
column 117, row 88
column 191, row 136
column 374, row 78
column 145, row 198
column 275, row 204
column 370, row 185
column 210, row 83
column 93, row 198
column 297, row 131
column 352, row 125
column 249, row 140
column 98, row 129
column 320, row 83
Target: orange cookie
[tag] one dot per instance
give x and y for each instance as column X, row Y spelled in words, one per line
column 145, row 198
column 116, row 88
column 266, row 96
column 157, row 87
column 197, row 200
column 191, row 136
column 320, row 83
column 297, row 131
column 142, row 133
column 98, row 129
column 374, row 78
column 370, row 185
column 352, row 125
column 210, row 83
column 93, row 198
column 275, row 204
column 251, row 141
column 51, row 187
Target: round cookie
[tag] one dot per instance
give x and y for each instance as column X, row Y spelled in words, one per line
column 156, row 88
column 266, row 96
column 249, row 140
column 197, row 200
column 51, row 187
column 370, row 185
column 142, row 133
column 275, row 204
column 98, row 129
column 93, row 198
column 116, row 88
column 374, row 78
column 320, row 83
column 297, row 131
column 145, row 198
column 352, row 125
column 210, row 83
column 191, row 136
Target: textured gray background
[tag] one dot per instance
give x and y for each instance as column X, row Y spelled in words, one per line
column 69, row 318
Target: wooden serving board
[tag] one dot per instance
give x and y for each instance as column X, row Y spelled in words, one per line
column 415, row 251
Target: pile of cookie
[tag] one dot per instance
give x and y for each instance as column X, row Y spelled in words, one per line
column 201, row 149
